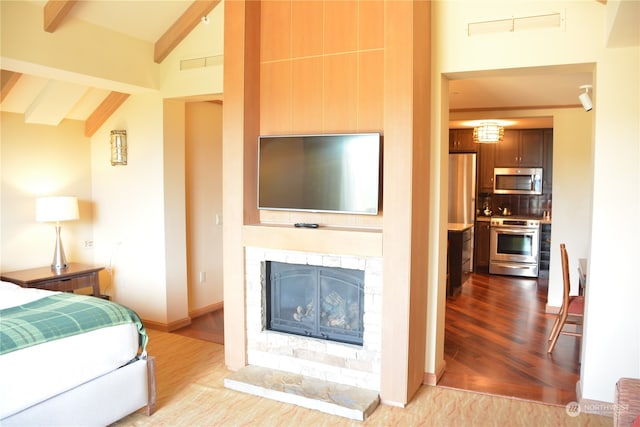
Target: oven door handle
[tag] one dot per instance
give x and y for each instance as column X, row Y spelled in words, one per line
column 512, row 231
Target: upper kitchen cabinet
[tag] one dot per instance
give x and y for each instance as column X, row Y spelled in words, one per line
column 486, row 161
column 520, row 148
column 461, row 141
column 547, row 165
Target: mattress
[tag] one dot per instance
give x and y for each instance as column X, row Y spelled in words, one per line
column 36, row 373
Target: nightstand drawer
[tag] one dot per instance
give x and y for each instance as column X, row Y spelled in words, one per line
column 67, row 285
column 76, row 276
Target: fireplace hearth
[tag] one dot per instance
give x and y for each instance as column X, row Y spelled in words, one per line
column 315, row 301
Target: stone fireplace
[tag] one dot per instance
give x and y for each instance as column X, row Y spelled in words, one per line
column 339, row 362
column 315, row 301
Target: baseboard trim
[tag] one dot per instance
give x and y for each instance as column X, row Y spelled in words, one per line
column 589, row 406
column 206, row 309
column 167, row 327
column 552, row 309
column 431, row 378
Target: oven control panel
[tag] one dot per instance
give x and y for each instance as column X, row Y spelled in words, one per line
column 515, row 222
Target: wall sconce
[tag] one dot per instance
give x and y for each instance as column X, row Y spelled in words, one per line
column 488, row 132
column 57, row 209
column 118, row 147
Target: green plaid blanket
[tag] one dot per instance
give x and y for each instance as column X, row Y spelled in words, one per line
column 61, row 315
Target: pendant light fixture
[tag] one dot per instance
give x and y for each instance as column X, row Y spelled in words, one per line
column 488, row 132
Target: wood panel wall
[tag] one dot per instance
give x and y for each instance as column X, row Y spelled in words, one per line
column 321, row 67
column 321, row 71
column 334, row 66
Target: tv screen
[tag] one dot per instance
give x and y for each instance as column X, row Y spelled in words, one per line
column 319, row 173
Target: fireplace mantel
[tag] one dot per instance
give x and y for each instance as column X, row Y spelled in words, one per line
column 365, row 242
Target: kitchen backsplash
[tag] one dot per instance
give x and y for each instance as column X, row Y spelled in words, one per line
column 525, row 205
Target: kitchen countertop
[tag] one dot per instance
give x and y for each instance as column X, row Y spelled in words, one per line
column 458, row 226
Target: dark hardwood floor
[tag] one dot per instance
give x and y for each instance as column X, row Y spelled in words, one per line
column 496, row 334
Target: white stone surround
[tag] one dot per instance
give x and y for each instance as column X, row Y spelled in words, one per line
column 349, row 364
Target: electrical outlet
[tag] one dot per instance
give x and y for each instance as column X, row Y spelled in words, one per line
column 88, row 243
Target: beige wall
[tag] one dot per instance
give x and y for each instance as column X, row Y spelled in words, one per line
column 611, row 346
column 28, row 49
column 39, row 160
column 129, row 205
column 130, row 208
column 204, row 204
column 134, row 214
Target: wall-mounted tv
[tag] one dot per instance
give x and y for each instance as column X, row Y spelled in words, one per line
column 320, row 173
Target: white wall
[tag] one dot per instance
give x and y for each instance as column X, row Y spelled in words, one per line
column 572, row 189
column 611, row 346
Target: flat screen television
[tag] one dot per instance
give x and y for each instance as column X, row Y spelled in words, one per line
column 320, row 173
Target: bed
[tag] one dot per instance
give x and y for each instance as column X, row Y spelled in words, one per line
column 68, row 359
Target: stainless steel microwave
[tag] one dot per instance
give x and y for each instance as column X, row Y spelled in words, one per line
column 517, row 180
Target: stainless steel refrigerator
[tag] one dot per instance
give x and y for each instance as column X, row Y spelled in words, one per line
column 462, row 188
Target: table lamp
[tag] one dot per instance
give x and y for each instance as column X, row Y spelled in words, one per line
column 57, row 209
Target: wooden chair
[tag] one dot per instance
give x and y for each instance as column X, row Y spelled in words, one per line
column 572, row 309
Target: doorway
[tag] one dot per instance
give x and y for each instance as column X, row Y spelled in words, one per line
column 203, row 199
column 540, row 293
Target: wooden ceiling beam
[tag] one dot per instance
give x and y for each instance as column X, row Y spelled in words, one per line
column 182, row 27
column 8, row 81
column 110, row 104
column 54, row 13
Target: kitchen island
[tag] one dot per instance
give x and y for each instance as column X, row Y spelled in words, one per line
column 460, row 255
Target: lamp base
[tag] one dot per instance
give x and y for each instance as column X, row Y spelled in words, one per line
column 59, row 260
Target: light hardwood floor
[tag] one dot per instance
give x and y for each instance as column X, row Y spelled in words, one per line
column 190, row 383
column 496, row 334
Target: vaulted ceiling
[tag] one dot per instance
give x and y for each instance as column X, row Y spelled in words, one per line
column 48, row 100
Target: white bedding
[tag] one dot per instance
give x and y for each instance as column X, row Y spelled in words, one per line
column 34, row 374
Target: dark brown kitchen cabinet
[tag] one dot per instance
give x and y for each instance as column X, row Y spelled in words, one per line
column 545, row 249
column 460, row 259
column 482, row 246
column 547, row 163
column 486, row 160
column 461, row 141
column 520, row 148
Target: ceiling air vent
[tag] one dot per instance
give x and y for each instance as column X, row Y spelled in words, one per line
column 513, row 24
column 206, row 61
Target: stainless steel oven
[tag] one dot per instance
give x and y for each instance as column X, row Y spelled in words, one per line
column 515, row 246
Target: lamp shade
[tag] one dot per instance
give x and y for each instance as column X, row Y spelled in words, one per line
column 55, row 209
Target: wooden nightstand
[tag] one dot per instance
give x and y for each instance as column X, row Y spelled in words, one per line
column 75, row 276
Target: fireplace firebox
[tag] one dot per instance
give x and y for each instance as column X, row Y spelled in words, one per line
column 315, row 301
